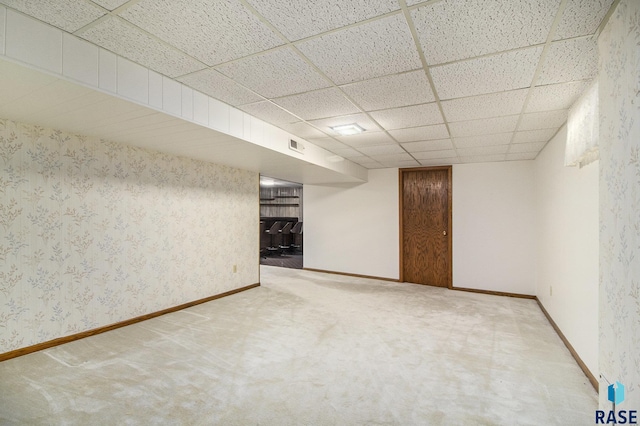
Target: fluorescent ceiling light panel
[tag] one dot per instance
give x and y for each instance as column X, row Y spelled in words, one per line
column 347, row 129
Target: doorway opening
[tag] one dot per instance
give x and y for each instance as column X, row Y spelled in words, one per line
column 281, row 227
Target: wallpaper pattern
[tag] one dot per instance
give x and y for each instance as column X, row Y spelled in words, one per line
column 94, row 232
column 619, row 80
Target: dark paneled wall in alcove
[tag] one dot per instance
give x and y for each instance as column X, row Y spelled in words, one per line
column 281, row 201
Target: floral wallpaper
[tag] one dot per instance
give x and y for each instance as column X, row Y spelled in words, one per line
column 94, row 232
column 619, row 81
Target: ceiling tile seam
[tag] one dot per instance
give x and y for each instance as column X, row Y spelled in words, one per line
column 92, row 24
column 91, row 3
column 393, row 74
column 405, row 106
column 79, row 33
column 487, row 118
column 24, row 14
column 332, row 85
column 221, row 64
column 321, row 73
column 606, row 18
column 425, row 65
column 488, row 55
column 515, row 49
column 287, row 42
column 108, row 13
column 346, row 27
column 424, row 3
column 541, row 63
column 563, row 82
column 125, row 6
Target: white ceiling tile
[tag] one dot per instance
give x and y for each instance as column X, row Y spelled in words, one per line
column 301, row 19
column 414, row 2
column 392, row 157
column 440, row 161
column 570, row 60
column 318, row 104
column 526, row 147
column 269, row 112
column 543, row 120
column 389, row 159
column 69, row 15
column 274, row 74
column 431, row 155
column 366, row 161
column 302, row 130
column 423, row 133
column 347, row 152
column 412, row 116
column 483, row 140
column 435, row 145
column 124, row 39
column 483, row 150
column 212, row 31
column 367, row 139
column 401, row 163
column 555, row 96
column 482, row 158
column 581, row 17
column 110, row 4
column 220, row 87
column 485, row 106
column 542, row 135
column 496, row 73
column 391, row 91
column 520, row 156
column 374, row 49
column 485, row 126
column 362, row 120
column 381, row 150
column 451, row 30
column 329, row 144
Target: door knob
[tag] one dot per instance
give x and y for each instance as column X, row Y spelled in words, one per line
column 444, row 233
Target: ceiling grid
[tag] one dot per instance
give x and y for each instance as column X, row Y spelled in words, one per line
column 431, row 82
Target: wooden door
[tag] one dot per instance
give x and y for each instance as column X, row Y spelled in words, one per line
column 425, row 226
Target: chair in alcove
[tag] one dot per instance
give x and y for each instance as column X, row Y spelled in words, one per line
column 264, row 239
column 274, row 237
column 285, row 237
column 296, row 236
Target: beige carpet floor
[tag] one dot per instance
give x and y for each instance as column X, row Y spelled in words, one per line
column 312, row 349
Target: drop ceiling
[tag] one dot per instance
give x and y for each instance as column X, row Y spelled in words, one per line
column 432, row 82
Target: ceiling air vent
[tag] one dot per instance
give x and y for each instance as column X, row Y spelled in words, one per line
column 296, row 146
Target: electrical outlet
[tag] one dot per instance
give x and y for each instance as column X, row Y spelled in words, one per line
column 550, row 291
column 235, row 268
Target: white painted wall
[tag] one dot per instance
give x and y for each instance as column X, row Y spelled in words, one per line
column 493, row 226
column 353, row 229
column 568, row 247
